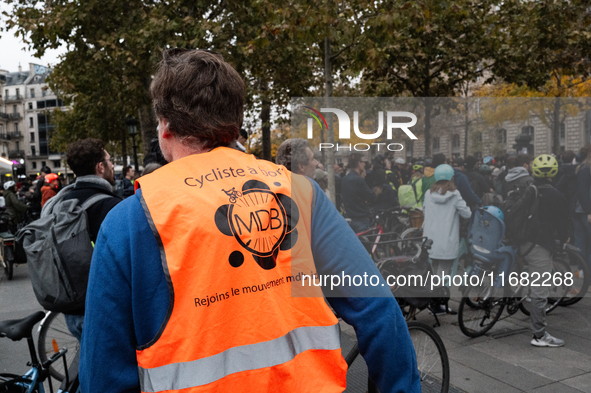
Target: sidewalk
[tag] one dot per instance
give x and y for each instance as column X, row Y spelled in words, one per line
column 504, row 360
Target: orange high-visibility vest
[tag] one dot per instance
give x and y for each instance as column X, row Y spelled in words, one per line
column 231, row 230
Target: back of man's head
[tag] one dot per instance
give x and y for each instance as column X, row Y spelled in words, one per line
column 568, row 157
column 470, row 162
column 200, row 95
column 438, row 159
column 354, row 160
column 83, row 155
column 292, row 152
column 523, row 159
column 46, row 170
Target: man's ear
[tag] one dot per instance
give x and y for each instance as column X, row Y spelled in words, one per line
column 164, row 125
column 99, row 168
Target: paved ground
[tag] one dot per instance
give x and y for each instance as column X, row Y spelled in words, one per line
column 501, row 361
column 504, row 361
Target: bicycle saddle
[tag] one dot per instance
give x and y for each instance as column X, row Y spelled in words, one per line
column 17, row 329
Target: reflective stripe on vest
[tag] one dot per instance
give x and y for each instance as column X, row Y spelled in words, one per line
column 234, row 235
column 237, row 359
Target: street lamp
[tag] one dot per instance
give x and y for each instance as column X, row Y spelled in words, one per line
column 132, row 123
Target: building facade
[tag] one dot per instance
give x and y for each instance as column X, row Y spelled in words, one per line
column 26, row 104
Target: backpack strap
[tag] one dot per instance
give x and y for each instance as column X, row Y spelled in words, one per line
column 48, row 208
column 414, row 188
column 94, row 199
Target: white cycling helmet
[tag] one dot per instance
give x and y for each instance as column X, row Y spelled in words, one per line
column 9, row 184
column 399, row 161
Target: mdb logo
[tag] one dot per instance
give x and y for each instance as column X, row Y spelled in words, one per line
column 261, row 221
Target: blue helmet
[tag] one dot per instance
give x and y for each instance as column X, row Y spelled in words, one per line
column 495, row 211
column 488, row 160
column 443, row 172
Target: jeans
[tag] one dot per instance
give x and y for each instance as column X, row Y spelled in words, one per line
column 583, row 236
column 74, row 323
column 539, row 260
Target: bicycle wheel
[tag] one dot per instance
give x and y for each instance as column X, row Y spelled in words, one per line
column 581, row 279
column 9, row 262
column 478, row 312
column 54, row 335
column 557, row 290
column 432, row 359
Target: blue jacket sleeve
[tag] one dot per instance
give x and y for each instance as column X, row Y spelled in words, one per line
column 116, row 321
column 384, row 341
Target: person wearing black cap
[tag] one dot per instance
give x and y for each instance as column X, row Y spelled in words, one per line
column 463, row 184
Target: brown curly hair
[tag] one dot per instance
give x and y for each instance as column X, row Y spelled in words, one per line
column 83, row 155
column 200, row 95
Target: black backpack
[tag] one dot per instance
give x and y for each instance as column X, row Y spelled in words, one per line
column 520, row 208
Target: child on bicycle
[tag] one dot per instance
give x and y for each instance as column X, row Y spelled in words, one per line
column 443, row 207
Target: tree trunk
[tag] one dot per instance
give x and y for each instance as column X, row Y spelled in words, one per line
column 428, row 111
column 557, row 126
column 266, row 120
column 466, row 127
column 329, row 132
column 124, row 144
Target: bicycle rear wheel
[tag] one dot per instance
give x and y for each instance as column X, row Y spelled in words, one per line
column 478, row 312
column 557, row 291
column 55, row 335
column 432, row 359
column 581, row 278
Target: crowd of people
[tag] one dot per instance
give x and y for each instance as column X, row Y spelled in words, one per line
column 448, row 190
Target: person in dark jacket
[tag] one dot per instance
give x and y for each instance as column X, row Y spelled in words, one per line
column 95, row 173
column 553, row 224
column 14, row 207
column 582, row 215
column 478, row 183
column 566, row 182
column 388, row 198
column 463, row 185
column 357, row 196
column 519, row 176
column 128, row 188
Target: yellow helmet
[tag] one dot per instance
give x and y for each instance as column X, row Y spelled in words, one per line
column 545, row 166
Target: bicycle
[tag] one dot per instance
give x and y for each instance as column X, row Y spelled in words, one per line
column 481, row 307
column 53, row 336
column 32, row 381
column 581, row 275
column 432, row 359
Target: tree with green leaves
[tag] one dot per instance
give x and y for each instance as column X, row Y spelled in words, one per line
column 426, row 48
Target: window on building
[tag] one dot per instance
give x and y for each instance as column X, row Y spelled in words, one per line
column 14, row 109
column 6, row 94
column 455, row 144
column 43, row 93
column 33, row 152
column 57, row 163
column 42, row 164
column 34, row 165
column 30, row 105
column 18, row 92
column 528, row 130
column 501, row 136
column 15, row 127
column 18, row 146
column 32, row 93
column 562, row 137
column 32, row 137
column 339, row 160
column 435, row 145
column 31, row 124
